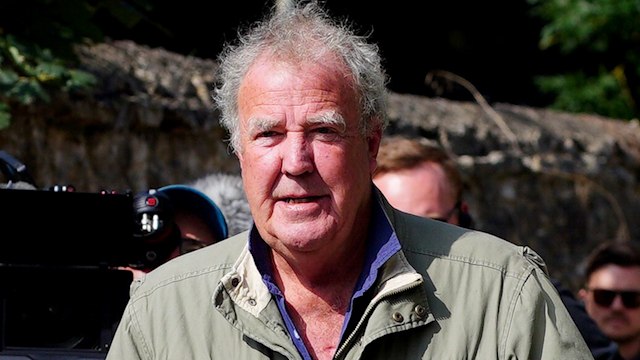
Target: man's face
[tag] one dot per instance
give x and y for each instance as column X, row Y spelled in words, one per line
column 619, row 322
column 306, row 167
column 195, row 232
column 422, row 190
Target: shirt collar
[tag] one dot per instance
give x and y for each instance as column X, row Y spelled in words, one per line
column 382, row 243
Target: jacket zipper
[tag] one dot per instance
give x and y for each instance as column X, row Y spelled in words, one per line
column 377, row 299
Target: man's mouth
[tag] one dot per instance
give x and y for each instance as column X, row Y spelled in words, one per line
column 300, row 200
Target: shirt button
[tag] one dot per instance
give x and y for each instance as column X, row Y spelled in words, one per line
column 397, row 317
column 235, row 281
column 252, row 302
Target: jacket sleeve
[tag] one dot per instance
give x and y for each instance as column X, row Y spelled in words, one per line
column 540, row 325
column 126, row 343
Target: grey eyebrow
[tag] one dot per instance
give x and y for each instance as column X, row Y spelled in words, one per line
column 329, row 118
column 261, row 124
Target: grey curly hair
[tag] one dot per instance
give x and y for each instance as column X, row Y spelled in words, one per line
column 302, row 32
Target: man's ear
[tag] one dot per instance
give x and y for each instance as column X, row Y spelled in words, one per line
column 582, row 294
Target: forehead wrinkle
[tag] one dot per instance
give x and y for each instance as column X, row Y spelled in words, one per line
column 307, row 96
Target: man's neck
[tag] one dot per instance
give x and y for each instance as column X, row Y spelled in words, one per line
column 310, row 272
column 630, row 350
column 318, row 302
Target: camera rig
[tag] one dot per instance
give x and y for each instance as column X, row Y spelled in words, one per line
column 62, row 287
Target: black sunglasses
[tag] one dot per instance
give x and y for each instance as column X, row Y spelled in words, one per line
column 630, row 299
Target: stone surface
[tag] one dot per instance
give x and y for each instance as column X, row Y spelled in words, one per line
column 557, row 182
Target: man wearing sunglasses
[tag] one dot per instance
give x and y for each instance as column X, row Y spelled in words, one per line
column 612, row 294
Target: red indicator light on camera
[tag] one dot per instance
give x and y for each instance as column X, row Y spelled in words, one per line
column 152, row 201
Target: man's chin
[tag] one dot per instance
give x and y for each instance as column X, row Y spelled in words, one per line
column 617, row 332
column 301, row 237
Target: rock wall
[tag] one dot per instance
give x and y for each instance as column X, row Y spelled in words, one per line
column 557, row 182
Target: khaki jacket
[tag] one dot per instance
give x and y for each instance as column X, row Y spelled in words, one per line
column 449, row 294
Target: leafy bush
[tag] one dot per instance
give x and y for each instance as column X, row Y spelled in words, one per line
column 37, row 38
column 603, row 36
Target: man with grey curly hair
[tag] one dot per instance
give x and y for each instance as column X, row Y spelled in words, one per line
column 328, row 269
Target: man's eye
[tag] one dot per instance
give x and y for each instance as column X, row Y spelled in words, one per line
column 266, row 134
column 325, row 133
column 325, row 130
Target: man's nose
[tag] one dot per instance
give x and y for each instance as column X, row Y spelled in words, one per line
column 617, row 303
column 297, row 155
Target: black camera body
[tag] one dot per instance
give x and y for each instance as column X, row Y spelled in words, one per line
column 66, row 229
column 155, row 228
column 61, row 253
column 61, row 289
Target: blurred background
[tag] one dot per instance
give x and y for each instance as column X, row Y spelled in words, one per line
column 112, row 95
column 573, row 175
column 577, row 55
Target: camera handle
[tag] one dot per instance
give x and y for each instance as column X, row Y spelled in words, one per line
column 13, row 169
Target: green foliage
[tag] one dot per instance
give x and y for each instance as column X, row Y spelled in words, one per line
column 4, row 115
column 577, row 93
column 602, row 35
column 28, row 73
column 36, row 45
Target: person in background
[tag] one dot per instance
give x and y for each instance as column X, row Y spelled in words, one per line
column 611, row 294
column 421, row 178
column 329, row 270
column 174, row 220
column 200, row 221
